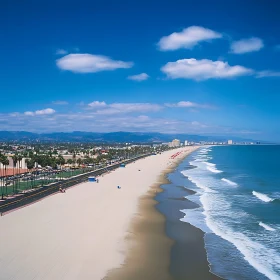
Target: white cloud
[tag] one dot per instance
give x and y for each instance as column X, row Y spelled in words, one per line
column 14, row 114
column 187, row 38
column 189, row 104
column 29, row 113
column 61, row 52
column 47, row 111
column 136, row 107
column 101, row 108
column 247, row 45
column 267, row 73
column 60, row 102
column 139, row 77
column 89, row 121
column 89, row 63
column 203, row 69
column 97, row 104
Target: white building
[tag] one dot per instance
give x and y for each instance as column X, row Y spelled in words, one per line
column 229, row 142
column 174, row 143
column 186, row 143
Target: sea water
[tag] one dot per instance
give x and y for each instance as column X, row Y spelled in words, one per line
column 238, row 191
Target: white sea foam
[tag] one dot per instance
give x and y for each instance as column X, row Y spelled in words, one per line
column 196, row 218
column 201, row 186
column 267, row 227
column 214, row 169
column 229, row 182
column 195, row 198
column 204, row 151
column 219, row 215
column 209, row 163
column 265, row 260
column 262, row 196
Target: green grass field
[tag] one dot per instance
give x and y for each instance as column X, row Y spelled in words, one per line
column 21, row 186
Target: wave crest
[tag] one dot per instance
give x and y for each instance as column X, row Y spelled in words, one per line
column 266, row 227
column 262, row 196
column 214, row 169
column 229, row 182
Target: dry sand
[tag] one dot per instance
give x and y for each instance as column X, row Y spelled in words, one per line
column 81, row 234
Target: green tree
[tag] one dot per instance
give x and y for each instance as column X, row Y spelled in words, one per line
column 30, row 164
column 5, row 162
column 60, row 160
column 15, row 160
column 79, row 161
column 2, row 174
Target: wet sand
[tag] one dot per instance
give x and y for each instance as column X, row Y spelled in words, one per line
column 150, row 249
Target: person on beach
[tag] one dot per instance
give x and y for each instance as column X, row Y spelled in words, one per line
column 62, row 190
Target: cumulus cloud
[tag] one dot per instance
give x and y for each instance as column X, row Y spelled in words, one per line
column 101, row 108
column 187, row 38
column 90, row 63
column 139, row 77
column 189, row 104
column 267, row 73
column 247, row 45
column 97, row 104
column 203, row 69
column 47, row 111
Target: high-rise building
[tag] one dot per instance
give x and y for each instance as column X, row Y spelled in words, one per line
column 186, row 143
column 174, row 143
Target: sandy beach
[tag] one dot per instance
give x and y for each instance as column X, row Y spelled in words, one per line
column 85, row 233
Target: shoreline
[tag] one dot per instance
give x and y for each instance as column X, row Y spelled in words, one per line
column 149, row 248
column 146, row 241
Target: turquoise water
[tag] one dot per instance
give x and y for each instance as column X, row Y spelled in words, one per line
column 238, row 190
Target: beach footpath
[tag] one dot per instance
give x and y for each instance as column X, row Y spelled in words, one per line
column 83, row 233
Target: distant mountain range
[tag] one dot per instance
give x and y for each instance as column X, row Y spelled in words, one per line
column 96, row 137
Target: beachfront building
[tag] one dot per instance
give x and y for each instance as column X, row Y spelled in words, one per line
column 174, row 143
column 230, row 142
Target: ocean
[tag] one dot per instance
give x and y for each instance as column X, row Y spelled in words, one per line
column 237, row 193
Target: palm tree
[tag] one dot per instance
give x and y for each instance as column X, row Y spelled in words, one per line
column 74, row 156
column 79, row 161
column 15, row 159
column 60, row 160
column 5, row 163
column 30, row 165
column 1, row 173
column 4, row 160
column 19, row 167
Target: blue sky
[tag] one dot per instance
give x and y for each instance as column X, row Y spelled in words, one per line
column 203, row 67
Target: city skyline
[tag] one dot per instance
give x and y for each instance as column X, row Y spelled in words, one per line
column 196, row 67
